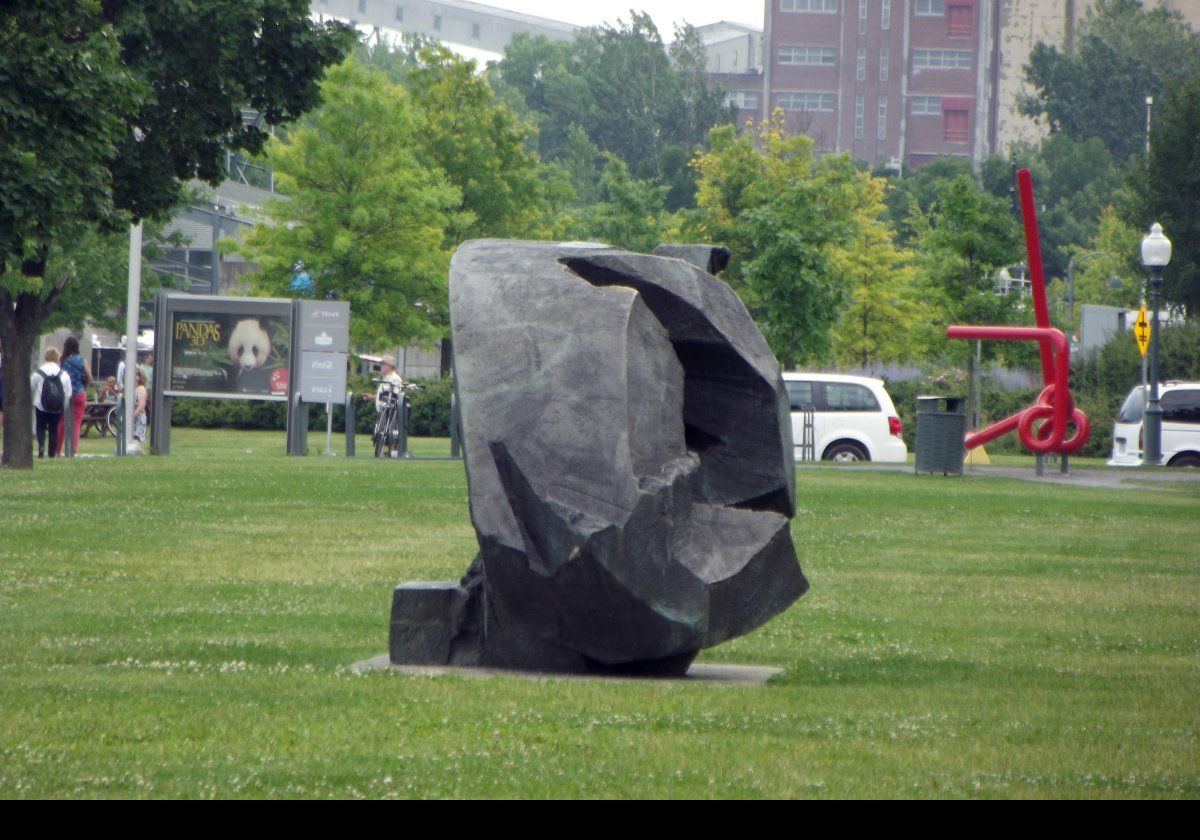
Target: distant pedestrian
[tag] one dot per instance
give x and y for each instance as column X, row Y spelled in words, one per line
column 51, row 388
column 81, row 377
column 140, row 405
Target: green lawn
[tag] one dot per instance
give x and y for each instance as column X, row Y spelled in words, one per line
column 181, row 627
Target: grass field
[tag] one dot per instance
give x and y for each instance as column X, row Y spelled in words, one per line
column 182, row 626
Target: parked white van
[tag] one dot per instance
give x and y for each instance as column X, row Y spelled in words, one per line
column 853, row 418
column 1180, row 403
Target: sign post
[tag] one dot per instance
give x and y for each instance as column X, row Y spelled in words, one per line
column 324, row 331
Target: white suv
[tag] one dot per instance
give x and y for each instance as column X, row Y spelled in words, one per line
column 1180, row 402
column 853, row 418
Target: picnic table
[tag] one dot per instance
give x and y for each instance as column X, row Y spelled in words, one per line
column 96, row 416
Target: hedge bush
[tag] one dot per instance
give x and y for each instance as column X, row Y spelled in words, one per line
column 429, row 412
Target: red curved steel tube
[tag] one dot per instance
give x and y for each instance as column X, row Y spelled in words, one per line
column 1054, row 345
column 1033, row 250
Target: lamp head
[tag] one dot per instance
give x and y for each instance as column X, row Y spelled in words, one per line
column 1156, row 248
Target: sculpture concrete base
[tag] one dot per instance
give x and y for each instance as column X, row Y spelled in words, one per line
column 629, row 460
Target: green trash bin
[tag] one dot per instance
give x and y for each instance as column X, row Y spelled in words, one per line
column 941, row 427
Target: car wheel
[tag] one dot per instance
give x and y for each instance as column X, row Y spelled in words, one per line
column 1185, row 460
column 845, row 453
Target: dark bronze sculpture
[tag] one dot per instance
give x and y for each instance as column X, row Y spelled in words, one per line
column 629, row 458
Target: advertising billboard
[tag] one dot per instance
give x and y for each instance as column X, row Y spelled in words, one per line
column 239, row 355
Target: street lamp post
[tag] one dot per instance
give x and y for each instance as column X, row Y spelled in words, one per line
column 1156, row 253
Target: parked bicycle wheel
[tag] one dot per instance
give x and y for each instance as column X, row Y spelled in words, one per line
column 112, row 422
column 380, row 435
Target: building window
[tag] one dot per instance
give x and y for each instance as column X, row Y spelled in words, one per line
column 927, row 106
column 475, row 31
column 437, row 22
column 808, row 5
column 747, row 100
column 956, row 126
column 805, row 101
column 960, row 22
column 930, row 8
column 862, row 17
column 859, row 108
column 881, row 133
column 860, row 67
column 400, row 13
column 826, row 56
column 886, row 21
column 735, row 59
column 942, row 59
column 884, row 55
column 362, row 5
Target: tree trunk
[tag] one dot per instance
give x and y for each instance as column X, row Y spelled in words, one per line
column 16, row 341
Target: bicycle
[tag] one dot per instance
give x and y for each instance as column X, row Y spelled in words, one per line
column 387, row 435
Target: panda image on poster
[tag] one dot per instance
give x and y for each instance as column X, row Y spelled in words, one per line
column 250, row 351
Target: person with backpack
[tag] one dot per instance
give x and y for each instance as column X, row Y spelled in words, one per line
column 81, row 377
column 51, row 388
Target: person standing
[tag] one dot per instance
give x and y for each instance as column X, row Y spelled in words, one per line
column 140, row 407
column 81, row 376
column 390, row 381
column 51, row 388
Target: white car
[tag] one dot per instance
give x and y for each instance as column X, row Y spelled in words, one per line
column 853, row 418
column 1180, row 403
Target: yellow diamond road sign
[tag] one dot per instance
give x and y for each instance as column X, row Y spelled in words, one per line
column 1141, row 331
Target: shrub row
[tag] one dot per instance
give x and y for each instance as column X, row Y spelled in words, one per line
column 429, row 414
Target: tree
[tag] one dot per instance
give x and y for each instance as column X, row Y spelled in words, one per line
column 1168, row 190
column 630, row 213
column 880, row 314
column 100, row 123
column 1121, row 242
column 364, row 214
column 1074, row 179
column 1098, row 87
column 917, row 192
column 786, row 217
column 631, row 98
column 962, row 242
column 477, row 141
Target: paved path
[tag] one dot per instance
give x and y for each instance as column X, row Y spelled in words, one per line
column 1128, row 478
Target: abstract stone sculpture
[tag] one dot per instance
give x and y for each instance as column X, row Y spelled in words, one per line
column 629, row 460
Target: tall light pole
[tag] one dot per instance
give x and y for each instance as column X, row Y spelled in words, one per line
column 1156, row 253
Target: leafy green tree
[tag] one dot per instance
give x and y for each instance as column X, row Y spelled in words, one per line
column 630, row 96
column 1074, row 179
column 1168, row 191
column 963, row 241
column 881, row 316
column 1097, row 88
column 630, row 213
column 787, row 217
column 477, row 141
column 916, row 192
column 1119, row 244
column 99, row 122
column 364, row 214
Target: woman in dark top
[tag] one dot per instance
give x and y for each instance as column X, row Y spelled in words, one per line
column 81, row 377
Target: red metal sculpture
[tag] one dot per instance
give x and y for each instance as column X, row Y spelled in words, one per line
column 1043, row 426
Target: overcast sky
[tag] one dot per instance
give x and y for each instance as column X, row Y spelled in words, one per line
column 666, row 13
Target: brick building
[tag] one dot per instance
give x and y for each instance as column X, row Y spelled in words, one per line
column 886, row 80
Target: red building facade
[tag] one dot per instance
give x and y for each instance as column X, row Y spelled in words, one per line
column 886, row 80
